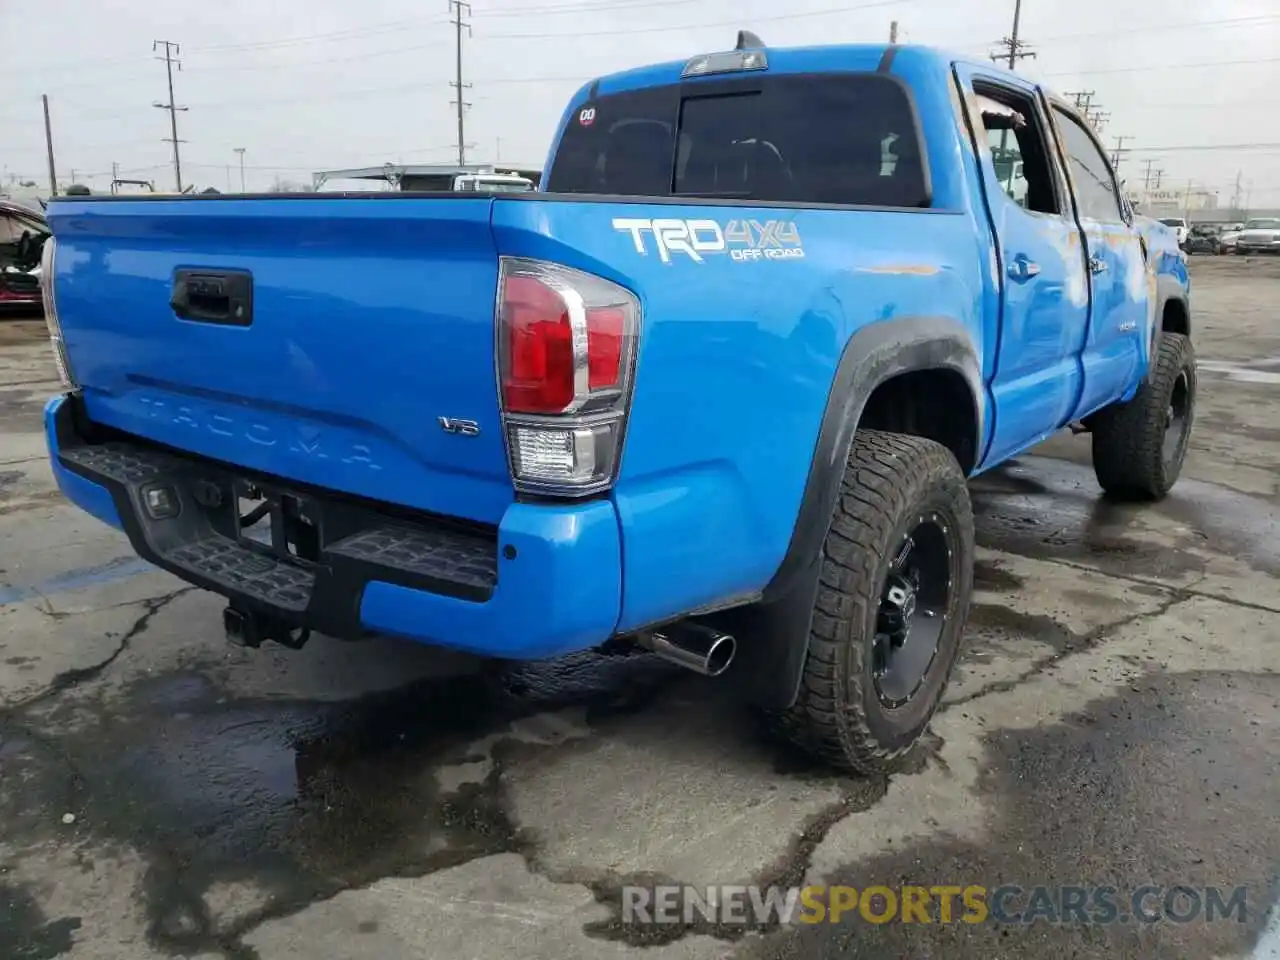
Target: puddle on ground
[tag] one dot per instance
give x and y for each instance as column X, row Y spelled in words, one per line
column 1252, row 371
column 301, row 799
column 1043, row 508
column 27, row 932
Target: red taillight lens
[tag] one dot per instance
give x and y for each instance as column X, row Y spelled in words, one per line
column 538, row 373
column 606, row 328
column 566, row 342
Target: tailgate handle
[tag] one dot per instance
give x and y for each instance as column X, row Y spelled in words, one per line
column 213, row 296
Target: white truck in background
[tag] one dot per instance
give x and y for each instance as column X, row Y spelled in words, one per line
column 1179, row 226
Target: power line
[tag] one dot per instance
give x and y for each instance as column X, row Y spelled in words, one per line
column 171, row 48
column 1209, row 147
column 352, row 33
column 414, row 48
column 579, row 8
column 833, row 11
column 324, row 62
column 1161, row 66
column 1147, row 28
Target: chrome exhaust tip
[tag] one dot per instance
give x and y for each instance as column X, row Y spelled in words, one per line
column 693, row 646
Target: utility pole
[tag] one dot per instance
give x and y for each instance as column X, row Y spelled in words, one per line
column 1146, row 183
column 171, row 49
column 48, row 145
column 1117, row 154
column 893, row 31
column 1012, row 47
column 1081, row 99
column 1235, row 196
column 1159, row 177
column 240, row 150
column 458, row 6
column 1098, row 119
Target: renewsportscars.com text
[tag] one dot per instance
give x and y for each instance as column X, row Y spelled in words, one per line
column 940, row 903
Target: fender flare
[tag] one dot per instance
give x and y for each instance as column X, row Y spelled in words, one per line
column 874, row 355
column 1169, row 288
column 774, row 633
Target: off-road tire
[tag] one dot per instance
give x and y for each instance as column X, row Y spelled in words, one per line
column 890, row 481
column 1129, row 458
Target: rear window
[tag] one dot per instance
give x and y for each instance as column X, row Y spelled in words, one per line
column 800, row 138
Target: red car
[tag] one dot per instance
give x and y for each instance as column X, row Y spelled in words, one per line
column 23, row 232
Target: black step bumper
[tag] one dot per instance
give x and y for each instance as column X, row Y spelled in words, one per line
column 182, row 514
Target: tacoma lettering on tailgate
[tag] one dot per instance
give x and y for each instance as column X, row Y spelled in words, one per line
column 304, row 440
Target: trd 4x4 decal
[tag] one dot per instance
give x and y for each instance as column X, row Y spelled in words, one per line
column 743, row 240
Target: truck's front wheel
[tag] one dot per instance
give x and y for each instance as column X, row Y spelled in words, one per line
column 895, row 582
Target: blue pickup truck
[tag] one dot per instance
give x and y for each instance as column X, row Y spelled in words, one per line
column 713, row 391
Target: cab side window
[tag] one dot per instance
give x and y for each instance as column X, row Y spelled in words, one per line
column 1095, row 185
column 1019, row 149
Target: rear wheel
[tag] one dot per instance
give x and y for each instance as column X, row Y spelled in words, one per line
column 1139, row 446
column 895, row 583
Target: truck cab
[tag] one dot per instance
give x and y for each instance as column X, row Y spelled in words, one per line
column 712, row 391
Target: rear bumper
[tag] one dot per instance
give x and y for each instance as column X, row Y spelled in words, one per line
column 546, row 581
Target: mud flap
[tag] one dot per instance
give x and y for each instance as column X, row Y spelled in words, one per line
column 773, row 640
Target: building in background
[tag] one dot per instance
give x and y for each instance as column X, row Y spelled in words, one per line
column 1174, row 202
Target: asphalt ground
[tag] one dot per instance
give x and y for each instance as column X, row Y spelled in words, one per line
column 1114, row 722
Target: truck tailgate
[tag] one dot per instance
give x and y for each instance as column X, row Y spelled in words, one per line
column 370, row 319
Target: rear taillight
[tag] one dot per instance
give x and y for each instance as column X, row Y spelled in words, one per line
column 566, row 349
column 51, row 315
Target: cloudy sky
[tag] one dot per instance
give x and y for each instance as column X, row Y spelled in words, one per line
column 303, row 85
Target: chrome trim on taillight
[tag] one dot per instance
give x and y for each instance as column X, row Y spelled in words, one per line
column 51, row 321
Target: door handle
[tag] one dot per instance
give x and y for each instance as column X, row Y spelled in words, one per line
column 1021, row 269
column 213, row 296
column 1097, row 265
